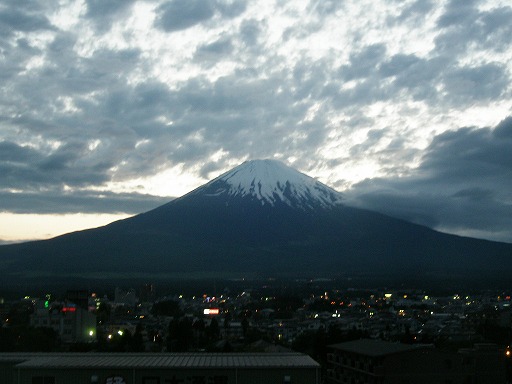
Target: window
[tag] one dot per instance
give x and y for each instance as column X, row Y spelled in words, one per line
column 43, row 380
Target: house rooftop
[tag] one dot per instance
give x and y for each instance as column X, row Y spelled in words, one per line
column 163, row 360
column 376, row 348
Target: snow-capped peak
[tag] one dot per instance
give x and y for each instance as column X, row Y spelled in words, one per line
column 271, row 181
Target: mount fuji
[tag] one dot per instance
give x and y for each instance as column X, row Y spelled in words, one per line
column 260, row 219
column 272, row 182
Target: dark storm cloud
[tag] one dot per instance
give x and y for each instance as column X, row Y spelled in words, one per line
column 40, row 97
column 250, row 31
column 308, row 80
column 13, row 153
column 103, row 13
column 176, row 15
column 416, row 10
column 439, row 78
column 420, row 77
column 462, row 26
column 470, row 155
column 43, row 177
column 210, row 167
column 373, row 137
column 417, row 76
column 467, row 84
column 61, row 202
column 229, row 113
column 100, row 8
column 363, row 63
column 463, row 185
column 497, row 27
column 25, row 168
column 399, row 64
column 214, row 51
column 117, row 117
column 504, row 129
column 325, row 7
column 458, row 12
column 231, row 8
column 202, row 118
column 411, row 71
column 70, row 74
column 13, row 19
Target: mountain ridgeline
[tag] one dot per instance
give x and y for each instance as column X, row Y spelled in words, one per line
column 261, row 219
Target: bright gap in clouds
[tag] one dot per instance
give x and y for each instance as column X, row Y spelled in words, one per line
column 170, row 182
column 25, row 227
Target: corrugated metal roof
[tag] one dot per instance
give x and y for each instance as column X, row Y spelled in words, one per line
column 376, row 347
column 166, row 360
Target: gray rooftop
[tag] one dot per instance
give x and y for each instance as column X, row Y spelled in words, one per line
column 157, row 360
column 370, row 347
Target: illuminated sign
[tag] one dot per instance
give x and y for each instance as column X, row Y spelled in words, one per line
column 211, row 311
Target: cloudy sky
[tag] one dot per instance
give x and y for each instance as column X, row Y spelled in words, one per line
column 110, row 108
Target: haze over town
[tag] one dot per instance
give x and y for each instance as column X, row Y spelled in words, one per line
column 108, row 109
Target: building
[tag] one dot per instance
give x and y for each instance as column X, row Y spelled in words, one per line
column 379, row 362
column 126, row 297
column 187, row 368
column 71, row 322
column 79, row 297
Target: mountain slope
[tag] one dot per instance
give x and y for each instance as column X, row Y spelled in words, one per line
column 259, row 219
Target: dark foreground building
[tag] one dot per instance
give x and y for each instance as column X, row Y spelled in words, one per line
column 177, row 368
column 381, row 362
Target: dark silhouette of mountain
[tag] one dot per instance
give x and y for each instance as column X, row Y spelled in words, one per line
column 261, row 219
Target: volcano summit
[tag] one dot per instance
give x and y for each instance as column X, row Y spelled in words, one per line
column 272, row 182
column 261, row 219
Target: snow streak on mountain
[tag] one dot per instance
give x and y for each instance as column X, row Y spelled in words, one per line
column 271, row 182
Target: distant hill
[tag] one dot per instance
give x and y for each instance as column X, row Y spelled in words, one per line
column 261, row 219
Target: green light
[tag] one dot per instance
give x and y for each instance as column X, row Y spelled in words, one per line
column 46, row 304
